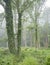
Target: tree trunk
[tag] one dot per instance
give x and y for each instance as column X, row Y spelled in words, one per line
column 19, row 34
column 36, row 37
column 36, row 28
column 9, row 26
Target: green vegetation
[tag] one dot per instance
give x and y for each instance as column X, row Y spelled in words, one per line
column 28, row 56
column 24, row 33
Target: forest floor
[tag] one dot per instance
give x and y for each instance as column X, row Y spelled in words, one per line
column 28, row 56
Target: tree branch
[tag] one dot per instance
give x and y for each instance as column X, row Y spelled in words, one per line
column 26, row 5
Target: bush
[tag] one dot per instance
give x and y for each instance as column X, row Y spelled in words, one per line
column 6, row 60
column 29, row 61
column 48, row 60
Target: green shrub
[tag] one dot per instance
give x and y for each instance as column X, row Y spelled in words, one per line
column 47, row 60
column 29, row 61
column 8, row 60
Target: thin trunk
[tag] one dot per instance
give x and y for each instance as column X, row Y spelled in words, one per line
column 36, row 37
column 46, row 44
column 36, row 28
column 9, row 26
column 47, row 33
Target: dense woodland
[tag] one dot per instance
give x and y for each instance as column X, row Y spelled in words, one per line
column 24, row 32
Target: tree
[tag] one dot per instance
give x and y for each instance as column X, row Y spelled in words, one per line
column 9, row 26
column 46, row 14
column 35, row 13
column 21, row 7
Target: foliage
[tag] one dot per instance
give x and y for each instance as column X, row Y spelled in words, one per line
column 29, row 61
column 29, row 56
column 48, row 60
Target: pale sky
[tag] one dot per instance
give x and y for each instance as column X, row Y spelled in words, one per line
column 47, row 4
column 1, row 9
